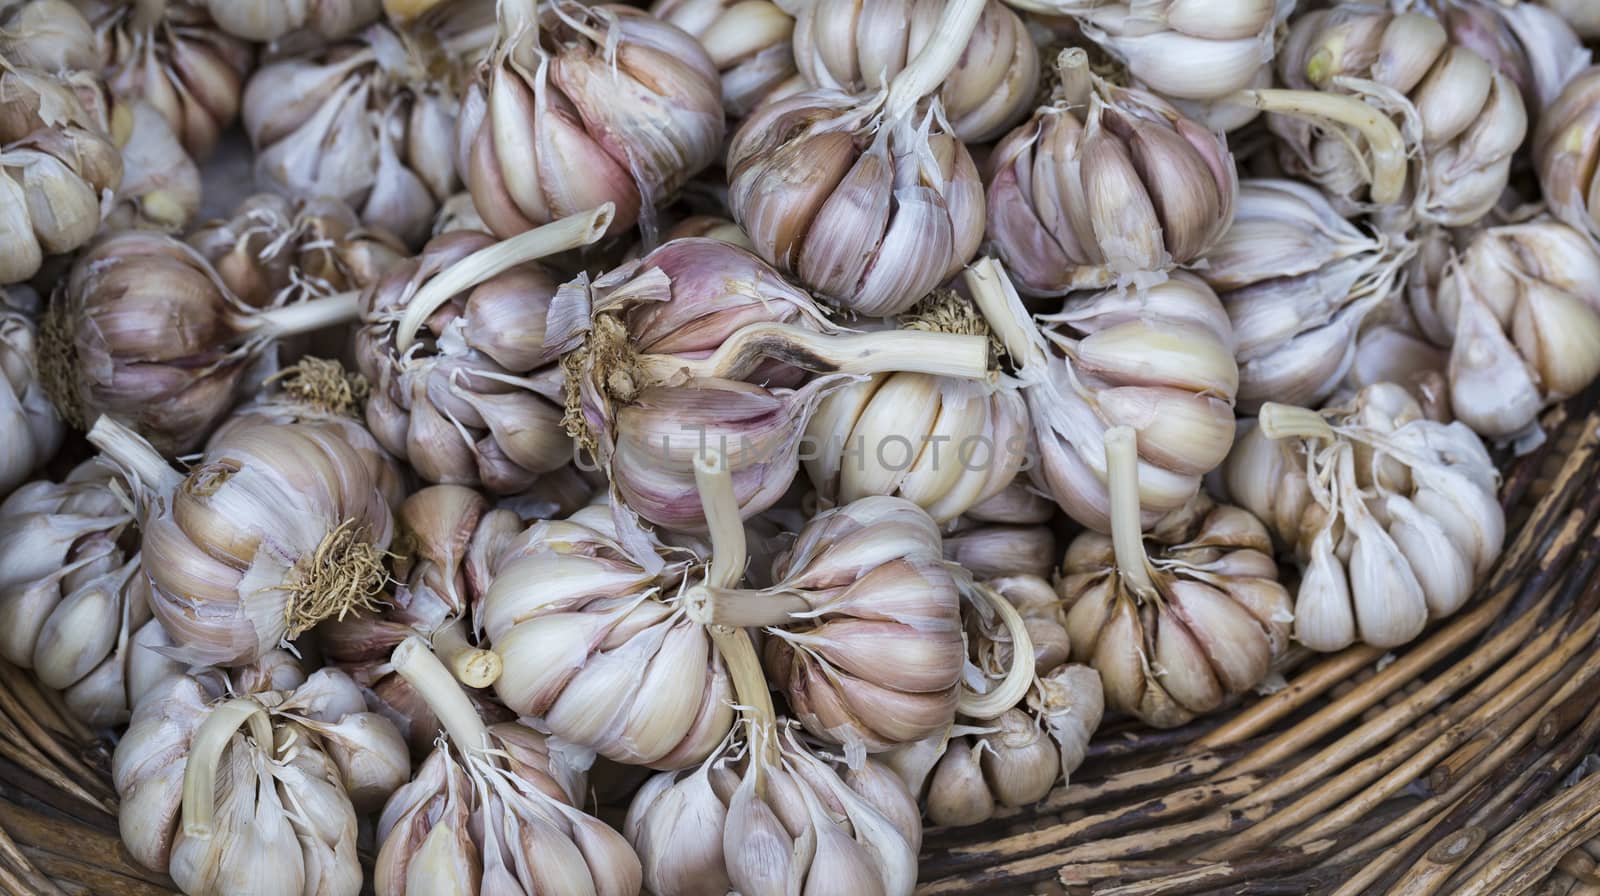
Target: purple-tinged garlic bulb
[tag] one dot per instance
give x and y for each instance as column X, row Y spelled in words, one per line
column 869, row 200
column 749, row 41
column 370, row 121
column 74, row 601
column 1106, row 186
column 1161, row 362
column 170, row 53
column 1176, row 634
column 988, row 550
column 582, row 105
column 30, row 430
column 465, row 385
column 1299, row 281
column 1392, row 517
column 1533, row 46
column 1519, row 312
column 493, row 808
column 1462, row 119
column 271, row 809
column 854, row 47
column 275, row 529
column 702, row 344
column 59, row 165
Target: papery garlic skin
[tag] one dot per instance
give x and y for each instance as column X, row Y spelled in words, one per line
column 275, row 529
column 74, row 600
column 30, row 430
column 593, row 644
column 1583, row 16
column 853, row 48
column 371, row 121
column 170, row 53
column 1519, row 311
column 59, row 165
column 1298, row 281
column 838, row 198
column 1393, row 517
column 1465, row 118
column 607, row 102
column 49, row 35
column 1197, row 50
column 1532, row 45
column 1565, row 147
column 160, row 184
column 711, row 830
column 1106, row 185
column 279, row 816
column 267, row 22
column 749, row 41
column 988, row 550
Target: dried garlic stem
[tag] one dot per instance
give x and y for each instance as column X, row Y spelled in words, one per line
column 1383, row 138
column 205, row 752
column 1285, row 421
column 414, row 662
column 304, row 317
column 895, row 351
column 1002, row 308
column 937, row 58
column 1074, row 80
column 472, row 666
column 1019, row 678
column 1127, row 534
column 134, row 455
column 742, row 608
column 567, row 233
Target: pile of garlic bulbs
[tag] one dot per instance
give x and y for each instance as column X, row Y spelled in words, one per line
column 827, row 412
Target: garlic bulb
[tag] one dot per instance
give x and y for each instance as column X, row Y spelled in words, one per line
column 370, row 121
column 1464, row 118
column 1582, row 15
column 74, row 602
column 862, row 625
column 593, row 641
column 492, row 809
column 273, row 251
column 267, row 22
column 701, row 344
column 30, row 431
column 270, row 810
column 1532, row 45
column 48, row 35
column 170, row 53
column 145, row 331
column 997, row 549
column 871, row 200
column 1564, row 149
column 1299, row 281
column 1175, row 636
column 431, row 599
column 1106, row 185
column 582, row 105
column 1198, row 50
column 943, row 444
column 1392, row 517
column 465, row 385
column 275, row 529
column 58, row 165
column 1520, row 312
column 160, row 184
column 854, row 47
column 1160, row 361
column 749, row 41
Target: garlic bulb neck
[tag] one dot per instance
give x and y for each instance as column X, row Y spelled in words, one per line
column 304, row 317
column 418, row 665
column 205, row 752
column 1019, row 677
column 474, row 667
column 1075, row 81
column 962, row 356
column 1127, row 533
column 924, row 74
column 1385, row 145
column 143, row 464
column 1282, row 421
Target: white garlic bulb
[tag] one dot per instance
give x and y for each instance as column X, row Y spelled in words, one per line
column 1392, row 517
column 30, row 430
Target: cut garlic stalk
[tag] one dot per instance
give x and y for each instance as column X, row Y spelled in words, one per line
column 1392, row 516
column 1105, row 186
column 1175, row 635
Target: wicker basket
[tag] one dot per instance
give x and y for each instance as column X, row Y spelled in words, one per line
column 1456, row 766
